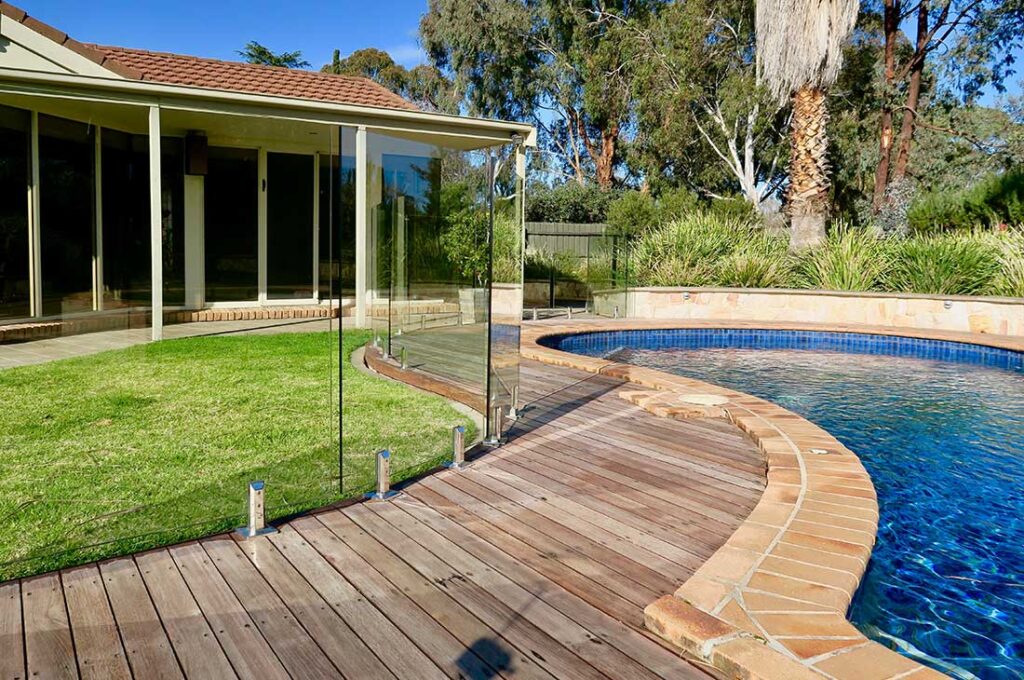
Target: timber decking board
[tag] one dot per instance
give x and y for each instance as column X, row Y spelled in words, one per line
column 534, row 562
column 97, row 639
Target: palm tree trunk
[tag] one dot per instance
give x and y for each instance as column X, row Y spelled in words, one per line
column 807, row 199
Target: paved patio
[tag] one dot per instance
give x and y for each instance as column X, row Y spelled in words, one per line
column 41, row 351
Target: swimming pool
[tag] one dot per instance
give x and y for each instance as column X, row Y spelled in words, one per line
column 940, row 427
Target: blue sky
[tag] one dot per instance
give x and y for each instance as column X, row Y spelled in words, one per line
column 217, row 28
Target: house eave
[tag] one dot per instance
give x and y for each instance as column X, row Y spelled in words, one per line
column 227, row 102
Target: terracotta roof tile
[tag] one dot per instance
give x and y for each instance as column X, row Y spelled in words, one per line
column 176, row 69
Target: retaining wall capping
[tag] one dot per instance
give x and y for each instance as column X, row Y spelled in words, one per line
column 771, row 603
column 999, row 316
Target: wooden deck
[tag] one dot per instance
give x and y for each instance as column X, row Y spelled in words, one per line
column 536, row 562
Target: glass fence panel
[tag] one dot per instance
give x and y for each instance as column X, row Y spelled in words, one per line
column 113, row 442
column 429, row 214
column 509, row 180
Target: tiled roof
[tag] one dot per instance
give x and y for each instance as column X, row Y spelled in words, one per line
column 177, row 69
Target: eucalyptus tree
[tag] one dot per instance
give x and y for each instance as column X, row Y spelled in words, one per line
column 556, row 63
column 702, row 121
column 799, row 55
column 255, row 53
column 423, row 84
column 955, row 48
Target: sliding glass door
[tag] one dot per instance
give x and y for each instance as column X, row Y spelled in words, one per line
column 290, row 197
column 231, row 225
column 15, row 287
column 67, row 214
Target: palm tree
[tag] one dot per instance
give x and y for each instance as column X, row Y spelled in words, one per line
column 799, row 54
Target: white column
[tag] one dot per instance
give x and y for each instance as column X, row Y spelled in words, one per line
column 97, row 257
column 262, row 229
column 35, row 239
column 195, row 244
column 156, row 243
column 362, row 228
column 316, row 226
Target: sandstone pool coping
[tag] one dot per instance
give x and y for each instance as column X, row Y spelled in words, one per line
column 771, row 602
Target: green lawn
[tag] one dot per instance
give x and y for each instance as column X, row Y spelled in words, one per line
column 134, row 448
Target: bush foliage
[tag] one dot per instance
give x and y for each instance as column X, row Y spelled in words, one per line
column 703, row 249
column 568, row 202
column 998, row 199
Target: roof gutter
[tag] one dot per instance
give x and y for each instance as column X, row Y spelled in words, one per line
column 186, row 98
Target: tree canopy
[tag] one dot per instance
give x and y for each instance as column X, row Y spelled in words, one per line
column 255, row 53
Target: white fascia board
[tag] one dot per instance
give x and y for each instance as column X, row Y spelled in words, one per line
column 176, row 97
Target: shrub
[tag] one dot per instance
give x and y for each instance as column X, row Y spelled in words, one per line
column 693, row 248
column 568, row 202
column 950, row 264
column 994, row 200
column 755, row 270
column 735, row 209
column 849, row 259
column 1010, row 279
column 632, row 213
column 676, row 203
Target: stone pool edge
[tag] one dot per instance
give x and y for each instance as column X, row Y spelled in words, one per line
column 772, row 601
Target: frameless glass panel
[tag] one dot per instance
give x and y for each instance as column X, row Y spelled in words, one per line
column 67, row 214
column 428, row 271
column 15, row 293
column 608, row 276
column 290, row 197
column 337, row 233
column 507, row 288
column 231, row 225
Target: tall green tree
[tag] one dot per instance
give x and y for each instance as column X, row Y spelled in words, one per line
column 424, row 85
column 961, row 46
column 556, row 63
column 702, row 120
column 255, row 53
column 799, row 55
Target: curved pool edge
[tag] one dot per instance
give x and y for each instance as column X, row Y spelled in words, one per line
column 772, row 601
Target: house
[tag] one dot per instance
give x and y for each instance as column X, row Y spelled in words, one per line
column 143, row 188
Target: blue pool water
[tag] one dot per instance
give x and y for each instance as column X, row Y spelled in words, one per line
column 940, row 427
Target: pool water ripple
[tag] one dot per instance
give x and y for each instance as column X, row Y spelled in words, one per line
column 944, row 443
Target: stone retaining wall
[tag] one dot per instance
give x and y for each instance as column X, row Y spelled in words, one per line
column 999, row 316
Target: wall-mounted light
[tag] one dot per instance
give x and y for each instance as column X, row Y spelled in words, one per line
column 948, row 304
column 686, row 295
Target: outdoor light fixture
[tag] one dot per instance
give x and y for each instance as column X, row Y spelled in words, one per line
column 686, row 295
column 383, row 491
column 257, row 519
column 948, row 304
column 458, row 448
